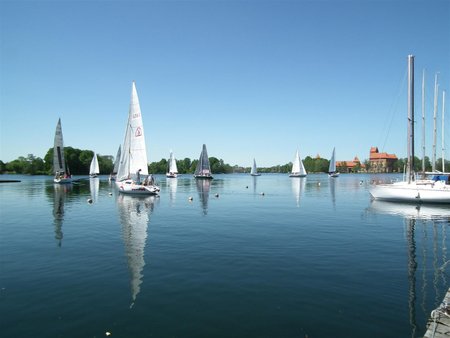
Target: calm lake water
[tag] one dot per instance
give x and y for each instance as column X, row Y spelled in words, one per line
column 311, row 257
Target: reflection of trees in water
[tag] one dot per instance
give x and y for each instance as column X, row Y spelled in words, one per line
column 203, row 187
column 134, row 215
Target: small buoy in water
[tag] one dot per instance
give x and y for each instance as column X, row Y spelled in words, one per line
column 318, row 183
column 110, row 194
column 89, row 200
column 108, row 333
column 190, row 198
column 361, row 182
column 217, row 195
column 246, row 187
column 262, row 194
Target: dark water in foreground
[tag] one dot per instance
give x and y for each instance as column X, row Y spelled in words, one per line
column 310, row 257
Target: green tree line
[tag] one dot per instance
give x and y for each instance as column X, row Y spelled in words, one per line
column 78, row 162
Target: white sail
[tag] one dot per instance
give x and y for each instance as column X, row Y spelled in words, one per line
column 172, row 164
column 332, row 167
column 254, row 171
column 117, row 161
column 94, row 169
column 298, row 169
column 132, row 175
column 59, row 164
column 134, row 155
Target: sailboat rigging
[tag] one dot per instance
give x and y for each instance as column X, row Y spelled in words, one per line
column 298, row 169
column 112, row 176
column 332, row 168
column 94, row 169
column 203, row 169
column 132, row 175
column 62, row 174
column 412, row 190
column 254, row 171
column 172, row 171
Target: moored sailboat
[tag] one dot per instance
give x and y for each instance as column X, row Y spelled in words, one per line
column 172, row 171
column 112, row 176
column 62, row 174
column 132, row 175
column 298, row 169
column 332, row 172
column 94, row 169
column 254, row 171
column 203, row 169
column 412, row 190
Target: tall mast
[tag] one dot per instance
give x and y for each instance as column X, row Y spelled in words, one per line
column 443, row 147
column 410, row 169
column 433, row 161
column 423, row 121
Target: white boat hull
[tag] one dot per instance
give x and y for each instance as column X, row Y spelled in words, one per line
column 64, row 180
column 333, row 174
column 297, row 175
column 438, row 192
column 171, row 175
column 130, row 187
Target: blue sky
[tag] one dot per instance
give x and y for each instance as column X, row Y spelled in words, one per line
column 251, row 79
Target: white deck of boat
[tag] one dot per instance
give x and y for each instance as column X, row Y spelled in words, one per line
column 438, row 325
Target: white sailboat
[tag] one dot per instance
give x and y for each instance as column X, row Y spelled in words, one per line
column 112, row 176
column 298, row 169
column 132, row 175
column 94, row 170
column 62, row 174
column 332, row 168
column 172, row 170
column 203, row 169
column 412, row 190
column 254, row 171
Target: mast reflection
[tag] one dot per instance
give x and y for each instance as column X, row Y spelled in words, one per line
column 298, row 187
column 94, row 185
column 59, row 197
column 203, row 187
column 134, row 215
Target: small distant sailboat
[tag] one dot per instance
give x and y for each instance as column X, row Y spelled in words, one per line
column 332, row 168
column 298, row 169
column 94, row 169
column 112, row 176
column 133, row 166
column 62, row 174
column 412, row 190
column 203, row 169
column 172, row 170
column 254, row 171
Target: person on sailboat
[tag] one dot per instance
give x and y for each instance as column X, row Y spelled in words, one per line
column 138, row 174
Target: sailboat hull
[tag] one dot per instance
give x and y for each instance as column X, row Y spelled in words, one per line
column 130, row 187
column 297, row 175
column 169, row 175
column 412, row 192
column 203, row 177
column 66, row 180
column 255, row 174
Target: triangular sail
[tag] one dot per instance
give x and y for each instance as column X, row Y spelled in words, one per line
column 254, row 170
column 59, row 165
column 172, row 164
column 332, row 167
column 117, row 161
column 296, row 164
column 203, row 167
column 94, row 168
column 134, row 156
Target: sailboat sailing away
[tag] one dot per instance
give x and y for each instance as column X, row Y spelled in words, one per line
column 332, row 168
column 203, row 169
column 132, row 175
column 254, row 171
column 60, row 170
column 298, row 169
column 172, row 170
column 94, row 169
column 412, row 190
column 112, row 176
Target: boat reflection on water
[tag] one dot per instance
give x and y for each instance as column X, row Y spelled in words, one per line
column 203, row 187
column 333, row 191
column 94, row 185
column 172, row 185
column 134, row 215
column 424, row 268
column 59, row 197
column 298, row 188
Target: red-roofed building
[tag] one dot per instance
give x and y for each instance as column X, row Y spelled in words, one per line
column 381, row 162
column 351, row 166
